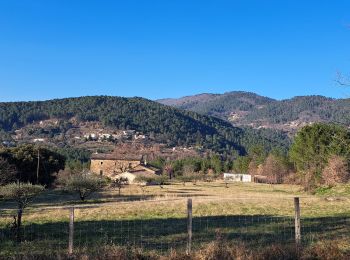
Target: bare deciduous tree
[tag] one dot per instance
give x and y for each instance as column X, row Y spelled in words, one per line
column 23, row 194
column 336, row 171
column 169, row 170
column 253, row 168
column 342, row 79
column 274, row 169
column 119, row 183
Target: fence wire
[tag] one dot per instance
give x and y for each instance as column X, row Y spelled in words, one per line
column 241, row 219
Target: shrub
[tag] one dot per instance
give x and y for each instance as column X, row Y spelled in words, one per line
column 152, row 179
column 23, row 194
column 84, row 183
column 190, row 177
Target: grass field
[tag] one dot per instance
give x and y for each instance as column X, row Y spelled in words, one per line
column 155, row 218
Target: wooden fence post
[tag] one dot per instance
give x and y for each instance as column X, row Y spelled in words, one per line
column 297, row 223
column 71, row 230
column 189, row 225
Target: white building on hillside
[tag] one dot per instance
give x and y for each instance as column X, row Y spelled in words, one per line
column 239, row 177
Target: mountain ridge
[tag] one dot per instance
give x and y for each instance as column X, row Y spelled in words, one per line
column 250, row 109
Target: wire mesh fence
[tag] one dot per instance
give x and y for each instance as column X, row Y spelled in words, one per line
column 149, row 234
column 246, row 220
column 36, row 236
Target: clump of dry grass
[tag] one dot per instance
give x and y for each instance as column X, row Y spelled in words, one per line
column 276, row 252
column 324, row 251
column 110, row 252
column 222, row 249
column 219, row 249
column 116, row 252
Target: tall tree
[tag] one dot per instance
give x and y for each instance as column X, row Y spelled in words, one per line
column 25, row 158
column 257, row 153
column 8, row 172
column 275, row 169
column 241, row 164
column 313, row 146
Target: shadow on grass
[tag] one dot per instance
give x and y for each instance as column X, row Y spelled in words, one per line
column 192, row 195
column 164, row 234
column 188, row 190
column 103, row 199
column 179, row 191
column 76, row 201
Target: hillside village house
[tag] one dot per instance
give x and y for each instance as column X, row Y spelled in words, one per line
column 117, row 165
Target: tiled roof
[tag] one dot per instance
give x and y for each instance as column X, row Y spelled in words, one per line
column 116, row 156
column 143, row 173
column 145, row 168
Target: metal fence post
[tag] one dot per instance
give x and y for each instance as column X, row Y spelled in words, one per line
column 189, row 225
column 297, row 223
column 71, row 230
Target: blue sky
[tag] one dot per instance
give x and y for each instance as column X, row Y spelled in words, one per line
column 172, row 48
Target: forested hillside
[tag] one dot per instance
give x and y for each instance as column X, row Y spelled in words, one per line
column 243, row 108
column 168, row 125
column 312, row 108
column 220, row 105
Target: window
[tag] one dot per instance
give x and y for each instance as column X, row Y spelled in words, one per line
column 101, row 172
column 101, row 163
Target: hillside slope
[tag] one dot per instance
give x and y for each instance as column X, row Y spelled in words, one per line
column 167, row 124
column 219, row 105
column 249, row 109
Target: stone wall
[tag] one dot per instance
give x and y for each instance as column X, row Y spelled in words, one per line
column 111, row 167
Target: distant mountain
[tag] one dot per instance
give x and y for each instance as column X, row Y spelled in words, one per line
column 165, row 124
column 249, row 109
column 219, row 105
column 188, row 102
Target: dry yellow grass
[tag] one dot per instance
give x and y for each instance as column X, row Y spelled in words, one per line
column 157, row 216
column 209, row 199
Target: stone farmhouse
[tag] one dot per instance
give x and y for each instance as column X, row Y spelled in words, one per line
column 117, row 165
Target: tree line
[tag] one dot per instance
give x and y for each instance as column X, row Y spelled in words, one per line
column 318, row 156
